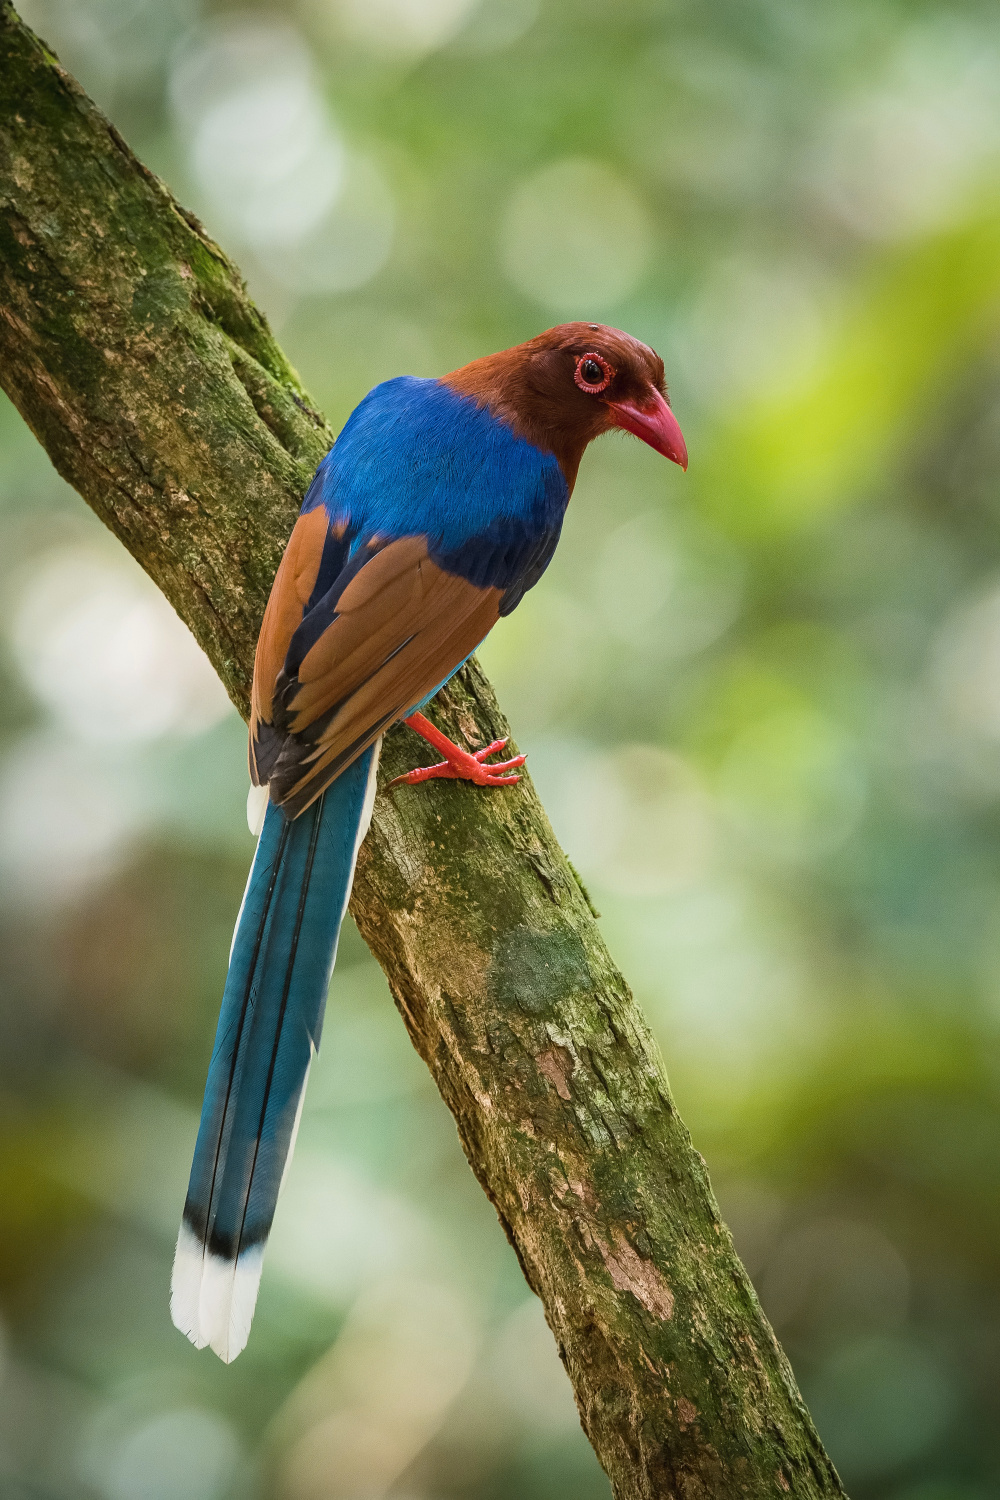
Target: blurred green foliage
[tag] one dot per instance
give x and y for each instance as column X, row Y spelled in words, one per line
column 762, row 703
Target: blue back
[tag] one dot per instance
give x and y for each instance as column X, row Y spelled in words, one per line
column 415, row 458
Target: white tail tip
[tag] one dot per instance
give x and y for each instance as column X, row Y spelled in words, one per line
column 212, row 1300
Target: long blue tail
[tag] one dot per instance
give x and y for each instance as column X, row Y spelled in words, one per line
column 269, row 1027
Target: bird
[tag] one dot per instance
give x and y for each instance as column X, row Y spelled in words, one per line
column 439, row 505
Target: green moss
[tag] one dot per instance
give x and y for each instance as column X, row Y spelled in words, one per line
column 536, row 970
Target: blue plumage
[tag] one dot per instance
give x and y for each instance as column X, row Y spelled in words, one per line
column 417, row 458
column 440, row 504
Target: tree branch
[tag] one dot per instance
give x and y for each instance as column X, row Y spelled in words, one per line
column 130, row 346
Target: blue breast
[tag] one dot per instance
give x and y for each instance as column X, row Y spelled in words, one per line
column 417, row 458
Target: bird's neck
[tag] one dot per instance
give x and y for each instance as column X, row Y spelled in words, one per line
column 503, row 385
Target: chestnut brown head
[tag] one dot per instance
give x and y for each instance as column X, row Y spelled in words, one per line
column 572, row 383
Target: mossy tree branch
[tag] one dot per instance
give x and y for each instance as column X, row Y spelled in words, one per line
column 130, row 346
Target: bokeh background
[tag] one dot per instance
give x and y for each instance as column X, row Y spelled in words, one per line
column 762, row 703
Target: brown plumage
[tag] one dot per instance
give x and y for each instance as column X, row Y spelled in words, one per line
column 402, row 625
column 290, row 592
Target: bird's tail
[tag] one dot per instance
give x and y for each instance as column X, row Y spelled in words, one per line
column 283, row 952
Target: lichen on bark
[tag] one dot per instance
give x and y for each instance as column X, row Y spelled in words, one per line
column 130, row 346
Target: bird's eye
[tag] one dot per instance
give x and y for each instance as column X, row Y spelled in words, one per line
column 593, row 374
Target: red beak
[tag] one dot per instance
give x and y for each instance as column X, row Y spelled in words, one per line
column 655, row 423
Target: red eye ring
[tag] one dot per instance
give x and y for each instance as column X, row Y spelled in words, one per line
column 593, row 387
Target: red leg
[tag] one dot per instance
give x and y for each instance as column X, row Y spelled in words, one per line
column 459, row 764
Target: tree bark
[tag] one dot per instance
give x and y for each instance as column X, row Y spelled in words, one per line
column 131, row 348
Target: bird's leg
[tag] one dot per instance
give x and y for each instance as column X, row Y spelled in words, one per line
column 459, row 764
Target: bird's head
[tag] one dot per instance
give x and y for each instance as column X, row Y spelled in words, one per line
column 570, row 384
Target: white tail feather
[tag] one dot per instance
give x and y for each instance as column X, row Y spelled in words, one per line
column 298, row 1119
column 185, row 1286
column 246, row 888
column 212, row 1300
column 368, row 805
column 257, row 799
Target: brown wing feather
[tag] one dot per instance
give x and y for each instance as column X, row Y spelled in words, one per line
column 290, row 593
column 402, row 626
column 402, row 682
column 365, row 631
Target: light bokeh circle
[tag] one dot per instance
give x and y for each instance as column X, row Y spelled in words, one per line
column 576, row 238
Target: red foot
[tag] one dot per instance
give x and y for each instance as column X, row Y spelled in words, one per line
column 459, row 765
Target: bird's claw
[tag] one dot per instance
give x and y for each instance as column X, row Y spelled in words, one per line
column 466, row 766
